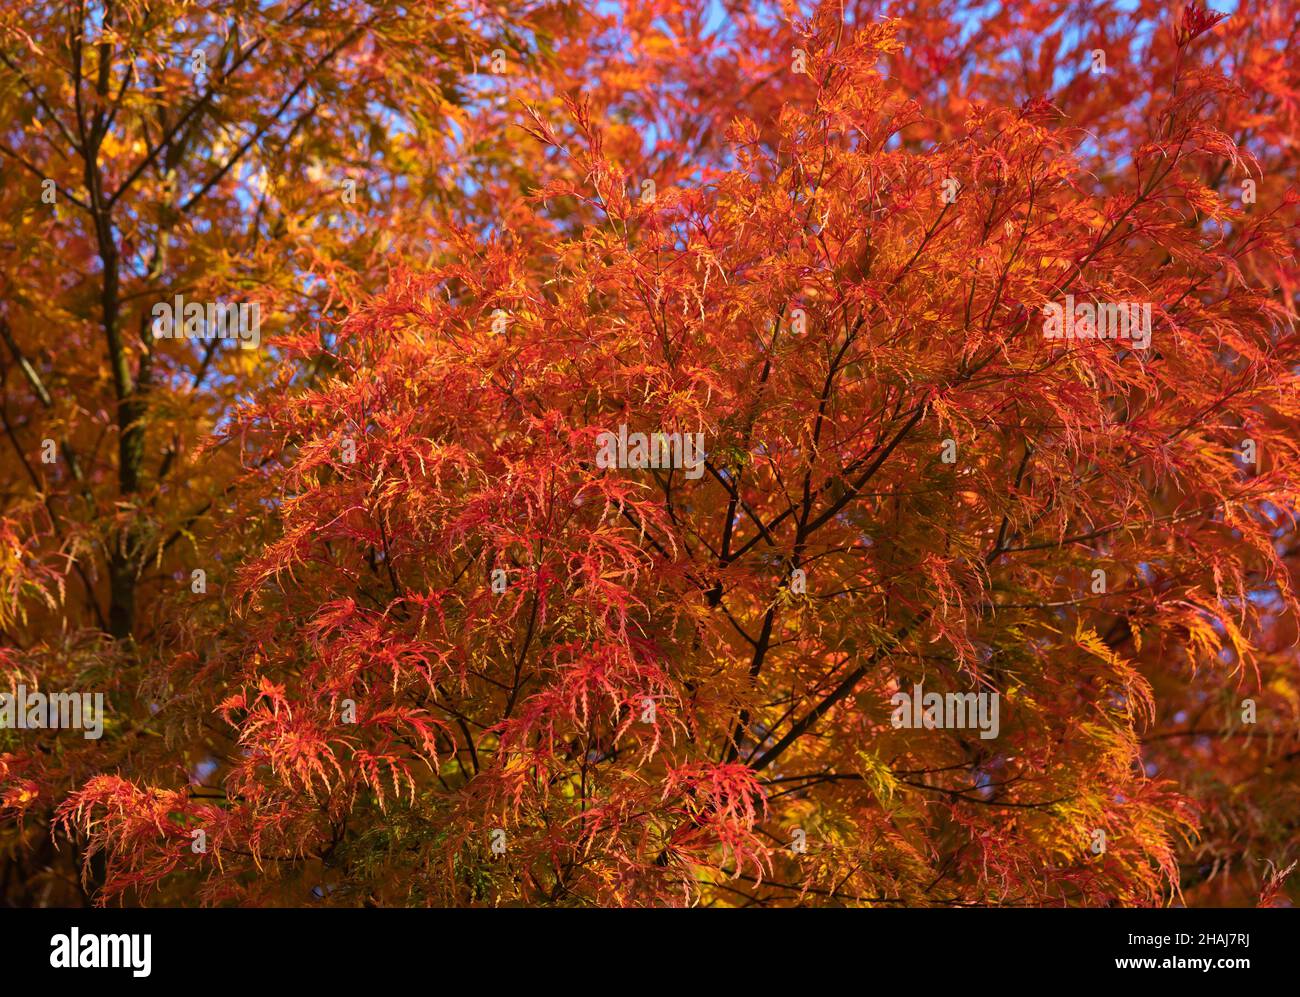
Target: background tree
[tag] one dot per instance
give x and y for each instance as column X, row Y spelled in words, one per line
column 273, row 153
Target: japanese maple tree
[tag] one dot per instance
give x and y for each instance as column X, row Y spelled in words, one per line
column 446, row 655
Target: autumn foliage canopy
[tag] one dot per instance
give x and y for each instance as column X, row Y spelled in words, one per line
column 374, row 625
